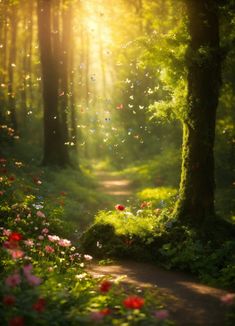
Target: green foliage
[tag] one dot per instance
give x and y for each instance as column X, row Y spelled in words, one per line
column 161, row 170
column 159, row 197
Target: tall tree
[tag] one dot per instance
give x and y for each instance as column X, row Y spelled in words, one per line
column 12, row 64
column 64, row 74
column 55, row 151
column 196, row 199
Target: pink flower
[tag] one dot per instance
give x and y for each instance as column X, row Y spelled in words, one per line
column 64, row 243
column 16, row 253
column 49, row 249
column 6, row 232
column 40, row 214
column 13, row 280
column 33, row 280
column 162, row 314
column 40, row 237
column 53, row 238
column 228, row 298
column 88, row 257
column 27, row 269
column 29, row 243
column 45, row 231
column 96, row 316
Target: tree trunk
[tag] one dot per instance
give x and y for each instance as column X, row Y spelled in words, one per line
column 55, row 152
column 65, row 54
column 11, row 67
column 196, row 198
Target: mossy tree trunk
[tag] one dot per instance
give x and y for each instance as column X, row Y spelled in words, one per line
column 196, row 199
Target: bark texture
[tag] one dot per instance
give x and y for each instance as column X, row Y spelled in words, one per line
column 55, row 152
column 196, row 199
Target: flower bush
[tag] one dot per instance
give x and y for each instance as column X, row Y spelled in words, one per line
column 44, row 280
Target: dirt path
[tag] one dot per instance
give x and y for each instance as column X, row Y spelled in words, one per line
column 189, row 302
column 118, row 188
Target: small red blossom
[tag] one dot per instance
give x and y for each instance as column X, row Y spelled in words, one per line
column 15, row 236
column 11, row 178
column 3, row 160
column 105, row 311
column 119, row 207
column 133, row 302
column 162, row 314
column 105, row 286
column 39, row 306
column 16, row 321
column 13, row 280
column 3, row 171
column 9, row 300
column 2, row 192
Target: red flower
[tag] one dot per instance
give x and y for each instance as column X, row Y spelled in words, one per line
column 105, row 286
column 39, row 306
column 105, row 311
column 119, row 207
column 133, row 302
column 16, row 321
column 15, row 236
column 3, row 160
column 12, row 178
column 9, row 300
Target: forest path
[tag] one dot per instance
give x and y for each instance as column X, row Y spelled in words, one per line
column 118, row 188
column 190, row 303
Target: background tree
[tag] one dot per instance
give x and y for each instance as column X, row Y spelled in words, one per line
column 55, row 151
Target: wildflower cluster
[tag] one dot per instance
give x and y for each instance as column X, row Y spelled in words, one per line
column 44, row 276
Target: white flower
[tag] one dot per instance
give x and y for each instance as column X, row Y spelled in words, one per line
column 88, row 257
